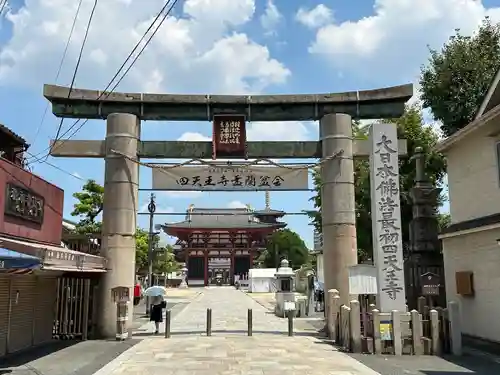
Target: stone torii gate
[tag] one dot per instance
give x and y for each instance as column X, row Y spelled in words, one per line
column 124, row 111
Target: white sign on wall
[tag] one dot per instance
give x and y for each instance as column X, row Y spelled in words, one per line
column 363, row 279
column 232, row 178
column 386, row 217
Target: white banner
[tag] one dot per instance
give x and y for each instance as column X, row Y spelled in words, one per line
column 231, row 178
column 363, row 279
column 386, row 217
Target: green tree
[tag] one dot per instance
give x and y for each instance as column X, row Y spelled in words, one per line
column 362, row 197
column 444, row 220
column 287, row 244
column 456, row 79
column 142, row 248
column 165, row 260
column 88, row 207
column 412, row 128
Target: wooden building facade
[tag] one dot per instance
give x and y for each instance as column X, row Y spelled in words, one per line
column 43, row 284
column 225, row 242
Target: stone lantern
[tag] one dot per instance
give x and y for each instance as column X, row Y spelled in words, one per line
column 184, row 272
column 285, row 296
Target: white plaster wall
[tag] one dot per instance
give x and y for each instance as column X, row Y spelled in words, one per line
column 479, row 253
column 473, row 178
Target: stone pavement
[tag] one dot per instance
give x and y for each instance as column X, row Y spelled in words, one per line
column 229, row 351
column 65, row 358
column 87, row 357
column 430, row 365
column 313, row 323
column 177, row 300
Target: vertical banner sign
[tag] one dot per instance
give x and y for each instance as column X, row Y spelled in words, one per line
column 386, row 217
column 229, row 137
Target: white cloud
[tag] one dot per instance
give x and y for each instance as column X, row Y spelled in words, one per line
column 159, row 208
column 271, row 18
column 393, row 41
column 236, row 204
column 199, row 50
column 264, row 131
column 319, row 16
column 194, row 137
column 278, row 131
column 183, row 194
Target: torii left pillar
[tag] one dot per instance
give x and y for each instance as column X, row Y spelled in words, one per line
column 119, row 221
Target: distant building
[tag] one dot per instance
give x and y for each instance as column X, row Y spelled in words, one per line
column 89, row 243
column 221, row 241
column 471, row 248
column 318, row 251
column 318, row 241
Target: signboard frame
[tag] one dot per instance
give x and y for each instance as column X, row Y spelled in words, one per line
column 431, row 284
column 230, row 178
column 20, row 201
column 386, row 330
column 225, row 144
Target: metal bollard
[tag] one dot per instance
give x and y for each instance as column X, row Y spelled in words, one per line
column 290, row 322
column 250, row 322
column 167, row 324
column 209, row 322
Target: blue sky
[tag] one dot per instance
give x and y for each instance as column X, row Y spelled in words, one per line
column 217, row 46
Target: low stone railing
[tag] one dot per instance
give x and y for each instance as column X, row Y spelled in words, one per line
column 434, row 332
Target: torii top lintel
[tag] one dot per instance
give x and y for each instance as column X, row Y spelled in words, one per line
column 92, row 104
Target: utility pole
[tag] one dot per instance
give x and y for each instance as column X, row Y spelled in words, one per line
column 152, row 210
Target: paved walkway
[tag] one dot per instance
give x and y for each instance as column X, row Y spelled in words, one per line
column 177, row 300
column 229, row 351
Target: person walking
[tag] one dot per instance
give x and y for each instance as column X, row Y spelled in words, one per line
column 137, row 293
column 156, row 312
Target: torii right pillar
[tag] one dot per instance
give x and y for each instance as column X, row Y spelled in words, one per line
column 338, row 203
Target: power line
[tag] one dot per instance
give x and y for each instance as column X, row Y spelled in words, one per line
column 108, row 93
column 77, row 66
column 3, row 6
column 61, row 63
column 60, row 169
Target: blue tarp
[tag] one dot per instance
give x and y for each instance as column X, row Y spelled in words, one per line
column 10, row 259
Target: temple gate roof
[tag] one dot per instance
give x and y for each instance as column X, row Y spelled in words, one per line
column 220, row 219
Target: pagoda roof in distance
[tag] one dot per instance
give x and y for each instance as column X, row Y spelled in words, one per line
column 221, row 218
column 269, row 212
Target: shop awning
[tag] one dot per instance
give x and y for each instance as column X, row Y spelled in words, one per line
column 10, row 259
column 55, row 258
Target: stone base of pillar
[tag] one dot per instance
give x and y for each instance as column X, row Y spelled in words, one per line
column 338, row 260
column 121, row 272
column 183, row 285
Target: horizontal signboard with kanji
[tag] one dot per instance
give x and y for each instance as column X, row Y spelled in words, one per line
column 226, row 178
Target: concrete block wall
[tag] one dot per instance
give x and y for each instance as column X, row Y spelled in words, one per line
column 479, row 253
column 473, row 177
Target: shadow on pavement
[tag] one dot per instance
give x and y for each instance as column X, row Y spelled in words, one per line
column 428, row 365
column 32, row 354
column 65, row 357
